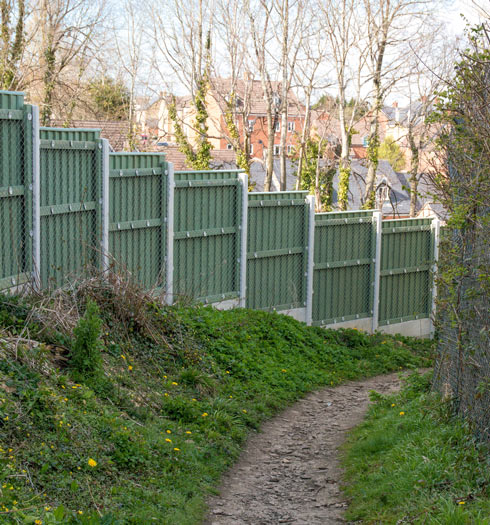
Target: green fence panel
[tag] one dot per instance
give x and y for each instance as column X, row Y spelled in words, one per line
column 15, row 190
column 343, row 267
column 406, row 270
column 137, row 216
column 277, row 254
column 70, row 203
column 207, row 229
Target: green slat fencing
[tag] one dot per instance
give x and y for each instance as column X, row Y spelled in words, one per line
column 277, row 252
column 15, row 190
column 407, row 249
column 70, row 202
column 344, row 257
column 67, row 205
column 138, row 216
column 207, row 233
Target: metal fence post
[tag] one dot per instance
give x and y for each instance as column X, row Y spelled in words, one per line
column 436, row 228
column 377, row 218
column 309, row 268
column 169, row 277
column 104, row 244
column 36, row 200
column 243, row 240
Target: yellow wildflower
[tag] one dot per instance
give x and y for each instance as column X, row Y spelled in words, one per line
column 461, row 502
column 38, row 522
column 205, row 414
column 168, row 431
column 177, row 449
column 402, row 413
column 130, row 367
column 92, row 463
column 174, row 383
column 188, row 432
column 168, row 440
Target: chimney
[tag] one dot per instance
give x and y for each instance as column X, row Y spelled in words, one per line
column 397, row 111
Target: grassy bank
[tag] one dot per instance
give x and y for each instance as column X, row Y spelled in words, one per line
column 131, row 414
column 412, row 462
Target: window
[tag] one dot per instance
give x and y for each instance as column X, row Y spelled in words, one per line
column 277, row 126
column 291, row 126
column 277, row 149
column 251, row 124
column 365, row 142
column 251, row 149
column 229, row 146
column 290, row 150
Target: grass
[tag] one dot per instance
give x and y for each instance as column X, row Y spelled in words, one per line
column 146, row 439
column 411, row 461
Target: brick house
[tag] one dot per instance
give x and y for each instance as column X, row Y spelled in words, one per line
column 251, row 114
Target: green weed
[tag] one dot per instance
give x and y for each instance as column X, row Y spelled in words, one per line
column 411, row 461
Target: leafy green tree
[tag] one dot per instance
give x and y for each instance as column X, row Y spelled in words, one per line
column 12, row 43
column 109, row 98
column 390, row 150
column 200, row 157
column 462, row 183
column 317, row 176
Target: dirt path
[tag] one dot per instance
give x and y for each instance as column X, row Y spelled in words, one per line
column 289, row 472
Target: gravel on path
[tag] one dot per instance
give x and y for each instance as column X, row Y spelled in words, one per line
column 289, row 472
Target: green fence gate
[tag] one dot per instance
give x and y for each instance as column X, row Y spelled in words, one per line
column 16, row 183
column 407, row 255
column 344, row 259
column 138, row 194
column 207, row 237
column 277, row 250
column 70, row 202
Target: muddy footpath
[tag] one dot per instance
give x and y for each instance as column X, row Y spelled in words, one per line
column 289, row 472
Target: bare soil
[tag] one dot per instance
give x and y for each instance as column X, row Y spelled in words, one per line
column 290, row 471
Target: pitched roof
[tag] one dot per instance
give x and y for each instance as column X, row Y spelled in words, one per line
column 115, row 131
column 222, row 87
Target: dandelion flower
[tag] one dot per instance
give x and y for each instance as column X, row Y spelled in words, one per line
column 38, row 522
column 130, row 367
column 168, row 431
column 205, row 414
column 92, row 462
column 402, row 413
column 80, row 512
column 174, row 383
column 244, row 411
column 461, row 502
column 392, row 405
column 283, row 370
column 177, row 449
column 168, row 440
column 188, row 432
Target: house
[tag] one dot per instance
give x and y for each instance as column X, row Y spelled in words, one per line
column 250, row 116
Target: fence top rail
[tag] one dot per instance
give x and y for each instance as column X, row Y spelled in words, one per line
column 210, row 171
column 429, row 219
column 134, row 153
column 4, row 92
column 305, row 192
column 49, row 128
column 328, row 213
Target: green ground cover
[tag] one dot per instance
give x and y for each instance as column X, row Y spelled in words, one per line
column 130, row 412
column 411, row 461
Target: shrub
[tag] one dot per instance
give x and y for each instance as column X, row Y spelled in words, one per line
column 86, row 355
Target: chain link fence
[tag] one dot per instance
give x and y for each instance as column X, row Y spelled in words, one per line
column 462, row 371
column 278, row 251
column 70, row 203
column 343, row 287
column 207, row 237
column 138, row 218
column 15, row 190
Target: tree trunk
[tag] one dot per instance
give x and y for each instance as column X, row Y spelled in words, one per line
column 48, row 82
column 284, row 94
column 304, row 136
column 344, row 165
column 414, row 169
column 270, row 150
